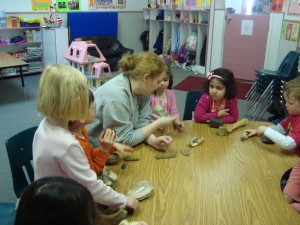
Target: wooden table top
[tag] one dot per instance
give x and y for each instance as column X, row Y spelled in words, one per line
column 8, row 61
column 223, row 181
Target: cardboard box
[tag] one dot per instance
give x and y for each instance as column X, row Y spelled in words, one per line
column 12, row 22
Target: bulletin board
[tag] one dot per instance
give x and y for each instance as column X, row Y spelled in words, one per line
column 288, row 39
column 276, row 6
column 41, row 4
column 92, row 23
column 107, row 4
column 67, row 5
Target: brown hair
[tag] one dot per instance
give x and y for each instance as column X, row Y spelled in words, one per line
column 292, row 88
column 137, row 65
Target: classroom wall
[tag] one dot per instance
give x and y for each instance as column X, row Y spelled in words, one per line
column 130, row 17
column 25, row 5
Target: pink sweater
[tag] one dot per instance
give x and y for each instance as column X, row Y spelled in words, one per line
column 204, row 106
column 57, row 153
column 170, row 107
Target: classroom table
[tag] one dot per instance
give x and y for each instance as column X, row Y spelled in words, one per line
column 223, row 181
column 8, row 61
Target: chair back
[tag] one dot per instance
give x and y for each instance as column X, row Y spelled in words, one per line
column 7, row 213
column 289, row 66
column 192, row 98
column 19, row 150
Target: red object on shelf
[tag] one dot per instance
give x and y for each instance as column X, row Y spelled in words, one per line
column 20, row 54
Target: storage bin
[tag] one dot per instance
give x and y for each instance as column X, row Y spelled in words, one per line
column 30, row 23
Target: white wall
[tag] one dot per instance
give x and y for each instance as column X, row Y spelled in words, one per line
column 25, row 5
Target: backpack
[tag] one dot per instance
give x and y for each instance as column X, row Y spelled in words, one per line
column 182, row 54
column 145, row 40
column 167, row 48
column 191, row 42
column 158, row 45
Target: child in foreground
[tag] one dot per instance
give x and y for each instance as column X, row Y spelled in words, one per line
column 287, row 135
column 219, row 99
column 97, row 157
column 163, row 101
column 63, row 97
column 59, row 201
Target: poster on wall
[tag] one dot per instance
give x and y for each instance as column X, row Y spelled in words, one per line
column 276, row 6
column 107, row 4
column 41, row 4
column 262, row 6
column 290, row 31
column 68, row 5
column 294, row 8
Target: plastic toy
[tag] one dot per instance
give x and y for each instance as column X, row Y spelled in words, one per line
column 93, row 67
column 54, row 20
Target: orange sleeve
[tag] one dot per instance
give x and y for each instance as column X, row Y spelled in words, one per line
column 96, row 157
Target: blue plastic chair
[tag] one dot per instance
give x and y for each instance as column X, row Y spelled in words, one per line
column 19, row 150
column 191, row 101
column 267, row 90
column 7, row 213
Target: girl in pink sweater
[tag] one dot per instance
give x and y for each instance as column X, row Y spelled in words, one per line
column 163, row 101
column 219, row 98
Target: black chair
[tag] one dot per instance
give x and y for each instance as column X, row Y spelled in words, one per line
column 285, row 178
column 19, row 150
column 267, row 90
column 192, row 98
column 110, row 47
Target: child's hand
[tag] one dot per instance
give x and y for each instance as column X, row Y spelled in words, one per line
column 250, row 132
column 123, row 149
column 107, row 139
column 178, row 125
column 223, row 112
column 261, row 130
column 253, row 132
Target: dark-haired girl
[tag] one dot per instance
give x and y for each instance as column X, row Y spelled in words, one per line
column 219, row 99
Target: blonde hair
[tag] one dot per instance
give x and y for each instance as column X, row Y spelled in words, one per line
column 292, row 88
column 137, row 65
column 63, row 93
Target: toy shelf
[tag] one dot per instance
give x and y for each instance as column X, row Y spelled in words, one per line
column 30, row 51
column 178, row 21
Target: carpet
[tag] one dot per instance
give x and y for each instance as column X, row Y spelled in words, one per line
column 195, row 83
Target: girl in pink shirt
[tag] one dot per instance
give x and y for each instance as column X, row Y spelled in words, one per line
column 163, row 101
column 219, row 99
column 63, row 97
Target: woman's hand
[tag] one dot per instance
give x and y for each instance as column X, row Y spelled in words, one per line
column 107, row 139
column 160, row 143
column 178, row 125
column 123, row 149
column 223, row 112
column 163, row 122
